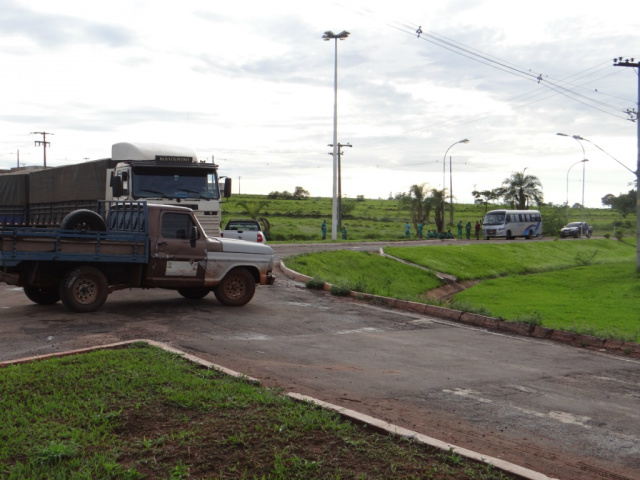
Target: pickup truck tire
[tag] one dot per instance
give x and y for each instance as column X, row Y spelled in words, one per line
column 194, row 293
column 84, row 289
column 236, row 289
column 42, row 296
column 83, row 220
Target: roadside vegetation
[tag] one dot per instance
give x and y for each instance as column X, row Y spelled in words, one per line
column 299, row 220
column 587, row 286
column 141, row 412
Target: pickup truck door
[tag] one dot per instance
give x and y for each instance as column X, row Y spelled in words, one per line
column 177, row 259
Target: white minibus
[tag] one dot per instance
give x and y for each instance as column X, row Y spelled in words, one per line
column 511, row 224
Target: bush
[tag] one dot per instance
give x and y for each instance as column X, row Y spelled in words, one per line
column 340, row 290
column 315, row 284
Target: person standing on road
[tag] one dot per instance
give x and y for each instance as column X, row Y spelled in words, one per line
column 323, row 227
column 467, row 229
column 459, row 229
column 344, row 232
column 420, row 229
column 407, row 230
column 477, row 230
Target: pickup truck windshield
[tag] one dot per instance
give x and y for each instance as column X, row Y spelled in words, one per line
column 160, row 182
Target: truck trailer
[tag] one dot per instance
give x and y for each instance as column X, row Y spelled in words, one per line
column 157, row 174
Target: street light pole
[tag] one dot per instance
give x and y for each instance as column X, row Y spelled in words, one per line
column 580, row 161
column 619, row 62
column 444, row 174
column 328, row 35
column 584, row 160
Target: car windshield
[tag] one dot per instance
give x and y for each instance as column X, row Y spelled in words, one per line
column 494, row 218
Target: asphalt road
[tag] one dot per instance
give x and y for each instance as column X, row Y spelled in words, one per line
column 559, row 410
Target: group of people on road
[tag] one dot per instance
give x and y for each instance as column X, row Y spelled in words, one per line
column 323, row 227
column 420, row 234
column 445, row 235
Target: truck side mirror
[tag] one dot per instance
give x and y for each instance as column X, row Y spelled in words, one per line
column 227, row 187
column 116, row 186
column 194, row 236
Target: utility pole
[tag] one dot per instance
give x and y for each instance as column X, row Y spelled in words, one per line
column 619, row 62
column 44, row 144
column 340, row 153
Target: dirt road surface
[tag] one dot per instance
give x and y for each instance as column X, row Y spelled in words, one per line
column 563, row 411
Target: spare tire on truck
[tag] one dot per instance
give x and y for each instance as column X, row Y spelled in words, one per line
column 83, row 220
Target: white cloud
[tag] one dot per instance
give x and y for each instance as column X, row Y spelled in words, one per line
column 251, row 82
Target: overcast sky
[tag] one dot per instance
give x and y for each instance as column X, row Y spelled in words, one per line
column 252, row 83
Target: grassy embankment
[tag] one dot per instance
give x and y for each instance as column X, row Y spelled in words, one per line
column 585, row 286
column 141, row 412
column 370, row 220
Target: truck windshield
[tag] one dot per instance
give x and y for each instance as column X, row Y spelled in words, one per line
column 174, row 183
column 494, row 218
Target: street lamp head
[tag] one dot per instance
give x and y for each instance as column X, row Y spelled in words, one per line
column 562, row 134
column 577, row 137
column 328, row 35
column 466, row 140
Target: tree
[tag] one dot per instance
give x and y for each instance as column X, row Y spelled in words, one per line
column 484, row 197
column 520, row 190
column 253, row 211
column 420, row 202
column 624, row 204
column 300, row 193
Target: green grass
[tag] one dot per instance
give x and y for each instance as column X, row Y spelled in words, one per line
column 600, row 300
column 588, row 286
column 366, row 272
column 141, row 412
column 516, row 258
column 382, row 219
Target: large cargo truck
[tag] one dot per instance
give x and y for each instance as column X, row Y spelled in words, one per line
column 157, row 174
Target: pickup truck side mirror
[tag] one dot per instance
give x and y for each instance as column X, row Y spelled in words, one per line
column 194, row 236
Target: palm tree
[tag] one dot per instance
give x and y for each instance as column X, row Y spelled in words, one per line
column 253, row 210
column 420, row 202
column 520, row 190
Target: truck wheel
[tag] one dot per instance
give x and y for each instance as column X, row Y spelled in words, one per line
column 83, row 220
column 84, row 289
column 194, row 293
column 42, row 295
column 236, row 289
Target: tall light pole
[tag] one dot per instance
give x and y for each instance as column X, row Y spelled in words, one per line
column 580, row 161
column 577, row 138
column 444, row 163
column 619, row 62
column 328, row 35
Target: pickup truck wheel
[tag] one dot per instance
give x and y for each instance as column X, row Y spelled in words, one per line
column 84, row 289
column 83, row 220
column 195, row 293
column 236, row 289
column 42, row 296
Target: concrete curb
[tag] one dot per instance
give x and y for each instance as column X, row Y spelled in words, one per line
column 403, row 432
column 357, row 417
column 617, row 347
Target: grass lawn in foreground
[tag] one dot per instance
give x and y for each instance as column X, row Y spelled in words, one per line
column 141, row 412
column 600, row 300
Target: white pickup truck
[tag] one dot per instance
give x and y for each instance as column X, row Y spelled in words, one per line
column 248, row 230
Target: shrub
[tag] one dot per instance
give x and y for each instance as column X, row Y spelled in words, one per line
column 340, row 290
column 315, row 284
column 534, row 318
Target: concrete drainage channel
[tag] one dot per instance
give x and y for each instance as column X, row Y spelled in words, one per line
column 351, row 415
column 608, row 345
